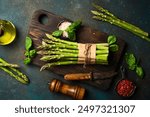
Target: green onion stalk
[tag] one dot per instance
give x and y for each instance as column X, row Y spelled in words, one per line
column 55, row 51
column 12, row 71
column 106, row 16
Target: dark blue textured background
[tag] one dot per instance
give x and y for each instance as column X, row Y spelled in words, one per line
column 20, row 13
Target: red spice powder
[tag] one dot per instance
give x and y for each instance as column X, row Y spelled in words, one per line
column 125, row 88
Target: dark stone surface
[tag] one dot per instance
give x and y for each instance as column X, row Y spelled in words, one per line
column 20, row 12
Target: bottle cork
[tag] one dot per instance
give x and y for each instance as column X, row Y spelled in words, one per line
column 75, row 92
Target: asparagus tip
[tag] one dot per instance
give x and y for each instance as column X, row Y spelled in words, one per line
column 42, row 68
column 40, row 52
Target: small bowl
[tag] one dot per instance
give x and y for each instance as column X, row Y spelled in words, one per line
column 9, row 32
column 126, row 92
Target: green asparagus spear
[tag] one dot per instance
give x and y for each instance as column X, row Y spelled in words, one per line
column 106, row 16
column 61, row 52
column 14, row 72
column 104, row 10
column 24, row 81
column 67, row 62
column 8, row 65
column 48, row 65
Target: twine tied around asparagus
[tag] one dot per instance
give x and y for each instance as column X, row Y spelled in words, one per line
column 87, row 54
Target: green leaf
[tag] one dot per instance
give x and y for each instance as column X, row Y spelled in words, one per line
column 27, row 54
column 139, row 71
column 32, row 53
column 132, row 67
column 72, row 35
column 111, row 39
column 75, row 25
column 27, row 61
column 28, row 43
column 130, row 60
column 72, row 28
column 114, row 47
column 57, row 33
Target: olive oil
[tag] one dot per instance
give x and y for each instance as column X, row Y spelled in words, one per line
column 7, row 32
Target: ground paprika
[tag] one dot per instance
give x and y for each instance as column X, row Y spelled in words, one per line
column 125, row 88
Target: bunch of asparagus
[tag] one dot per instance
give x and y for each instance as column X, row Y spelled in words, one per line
column 55, row 51
column 104, row 15
column 12, row 71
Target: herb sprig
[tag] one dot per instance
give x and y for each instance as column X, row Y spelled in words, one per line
column 133, row 64
column 71, row 30
column 29, row 53
column 111, row 40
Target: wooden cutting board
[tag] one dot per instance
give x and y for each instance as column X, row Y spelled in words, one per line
column 85, row 34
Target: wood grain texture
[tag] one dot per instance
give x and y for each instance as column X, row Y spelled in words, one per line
column 84, row 35
column 75, row 92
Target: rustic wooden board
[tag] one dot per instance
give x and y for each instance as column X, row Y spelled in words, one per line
column 85, row 34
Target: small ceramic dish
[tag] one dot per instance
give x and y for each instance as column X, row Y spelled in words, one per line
column 125, row 88
column 8, row 32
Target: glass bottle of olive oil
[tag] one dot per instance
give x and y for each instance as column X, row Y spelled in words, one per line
column 7, row 32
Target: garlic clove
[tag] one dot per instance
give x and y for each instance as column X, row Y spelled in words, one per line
column 63, row 26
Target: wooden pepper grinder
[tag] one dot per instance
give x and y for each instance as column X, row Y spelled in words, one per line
column 76, row 92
